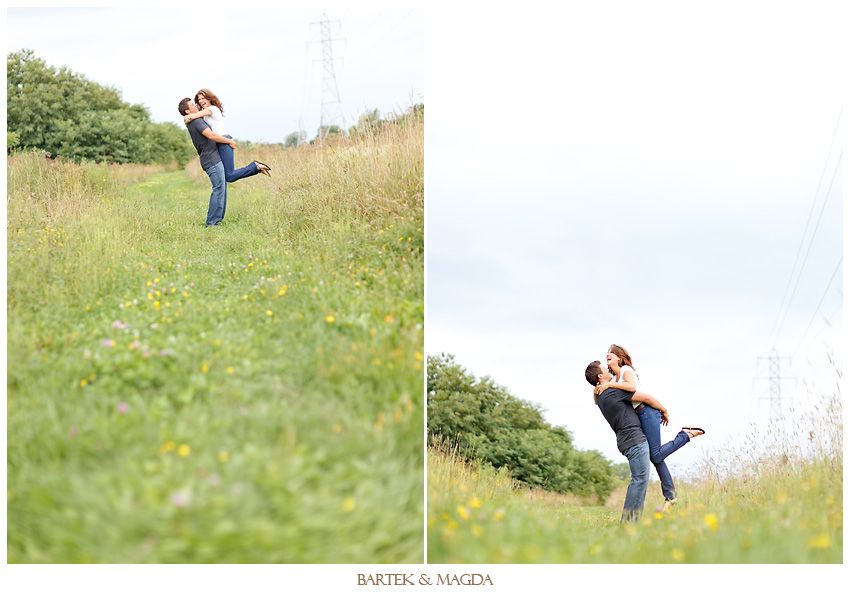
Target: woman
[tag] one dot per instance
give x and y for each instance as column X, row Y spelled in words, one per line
column 211, row 111
column 620, row 365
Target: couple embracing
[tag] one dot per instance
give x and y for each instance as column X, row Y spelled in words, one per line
column 204, row 117
column 636, row 418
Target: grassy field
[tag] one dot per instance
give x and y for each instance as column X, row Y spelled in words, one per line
column 245, row 393
column 765, row 504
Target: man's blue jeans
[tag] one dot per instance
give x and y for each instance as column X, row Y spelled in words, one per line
column 650, row 422
column 218, row 198
column 638, row 457
column 231, row 175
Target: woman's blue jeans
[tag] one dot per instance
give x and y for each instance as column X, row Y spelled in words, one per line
column 650, row 422
column 231, row 175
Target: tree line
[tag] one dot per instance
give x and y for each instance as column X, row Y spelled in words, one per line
column 485, row 422
column 62, row 113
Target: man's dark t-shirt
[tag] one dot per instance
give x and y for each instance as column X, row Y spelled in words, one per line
column 616, row 406
column 207, row 149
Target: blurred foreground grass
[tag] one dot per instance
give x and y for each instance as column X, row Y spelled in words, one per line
column 235, row 394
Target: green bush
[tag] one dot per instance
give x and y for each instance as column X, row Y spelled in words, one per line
column 487, row 423
column 63, row 113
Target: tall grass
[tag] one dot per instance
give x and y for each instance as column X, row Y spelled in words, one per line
column 244, row 393
column 771, row 499
column 371, row 174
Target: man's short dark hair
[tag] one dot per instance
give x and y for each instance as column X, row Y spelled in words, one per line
column 594, row 369
column 184, row 105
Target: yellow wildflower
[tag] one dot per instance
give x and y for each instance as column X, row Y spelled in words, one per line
column 711, row 521
column 184, row 450
column 819, row 541
column 348, row 504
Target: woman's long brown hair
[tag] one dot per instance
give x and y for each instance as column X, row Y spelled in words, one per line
column 623, row 355
column 211, row 97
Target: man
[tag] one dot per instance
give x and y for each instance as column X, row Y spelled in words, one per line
column 204, row 140
column 616, row 407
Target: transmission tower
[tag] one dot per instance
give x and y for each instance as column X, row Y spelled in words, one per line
column 775, row 397
column 331, row 105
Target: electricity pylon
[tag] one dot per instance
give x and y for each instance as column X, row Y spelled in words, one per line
column 775, row 397
column 331, row 104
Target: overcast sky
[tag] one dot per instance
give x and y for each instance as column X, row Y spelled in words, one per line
column 641, row 176
column 265, row 64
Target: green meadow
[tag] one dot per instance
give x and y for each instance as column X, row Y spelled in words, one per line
column 245, row 393
column 764, row 502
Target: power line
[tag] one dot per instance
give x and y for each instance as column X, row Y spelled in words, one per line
column 814, row 314
column 388, row 32
column 828, row 321
column 805, row 259
column 802, row 240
